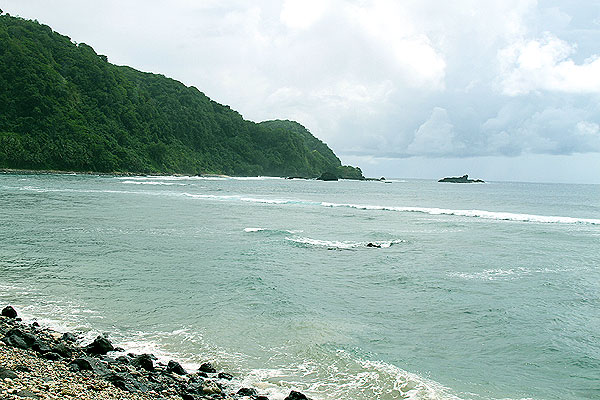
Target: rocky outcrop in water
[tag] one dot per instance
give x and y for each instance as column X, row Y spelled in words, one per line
column 9, row 312
column 460, row 179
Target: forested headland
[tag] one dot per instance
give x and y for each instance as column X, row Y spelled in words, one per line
column 64, row 107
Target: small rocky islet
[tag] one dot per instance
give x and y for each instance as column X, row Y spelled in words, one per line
column 460, row 179
column 40, row 363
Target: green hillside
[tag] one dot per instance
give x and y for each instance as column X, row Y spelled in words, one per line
column 64, row 107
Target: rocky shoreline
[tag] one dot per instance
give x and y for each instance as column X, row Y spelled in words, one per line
column 40, row 363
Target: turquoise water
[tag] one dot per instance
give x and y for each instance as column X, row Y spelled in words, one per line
column 487, row 291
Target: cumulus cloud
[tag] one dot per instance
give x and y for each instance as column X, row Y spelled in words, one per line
column 544, row 64
column 435, row 136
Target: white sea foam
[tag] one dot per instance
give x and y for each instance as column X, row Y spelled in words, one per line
column 290, row 231
column 504, row 216
column 343, row 245
column 255, row 178
column 506, row 273
column 345, row 377
column 154, row 183
column 253, row 229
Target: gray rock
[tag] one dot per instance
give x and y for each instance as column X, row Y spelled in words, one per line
column 68, row 337
column 63, row 350
column 211, row 388
column 7, row 373
column 27, row 394
column 41, row 347
column 126, row 382
column 143, row 361
column 17, row 338
column 123, row 360
column 92, row 364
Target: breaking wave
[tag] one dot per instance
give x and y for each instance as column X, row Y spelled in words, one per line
column 343, row 245
column 491, row 215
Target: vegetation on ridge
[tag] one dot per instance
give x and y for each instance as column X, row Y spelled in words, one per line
column 64, row 107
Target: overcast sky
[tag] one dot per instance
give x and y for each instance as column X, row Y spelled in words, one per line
column 502, row 90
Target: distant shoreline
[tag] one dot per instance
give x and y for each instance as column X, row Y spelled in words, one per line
column 117, row 173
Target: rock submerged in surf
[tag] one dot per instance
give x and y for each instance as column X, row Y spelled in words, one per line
column 9, row 312
column 296, row 396
column 175, row 367
column 208, row 368
column 99, row 346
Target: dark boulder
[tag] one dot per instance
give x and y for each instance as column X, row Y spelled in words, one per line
column 373, row 245
column 108, row 360
column 99, row 346
column 123, row 360
column 28, row 394
column 207, row 367
column 175, row 367
column 64, row 350
column 296, row 396
column 143, row 361
column 327, row 176
column 225, row 375
column 261, row 398
column 52, row 356
column 90, row 364
column 9, row 312
column 68, row 337
column 246, row 392
column 80, row 364
column 17, row 338
column 211, row 388
column 7, row 373
column 41, row 347
column 126, row 382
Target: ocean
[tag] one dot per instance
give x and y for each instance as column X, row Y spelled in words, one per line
column 409, row 289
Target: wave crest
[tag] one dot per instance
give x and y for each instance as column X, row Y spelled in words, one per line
column 342, row 245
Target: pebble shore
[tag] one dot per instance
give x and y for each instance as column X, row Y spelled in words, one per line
column 40, row 363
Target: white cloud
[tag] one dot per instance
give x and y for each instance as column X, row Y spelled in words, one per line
column 435, row 136
column 544, row 64
column 587, row 128
column 391, row 27
column 301, row 14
